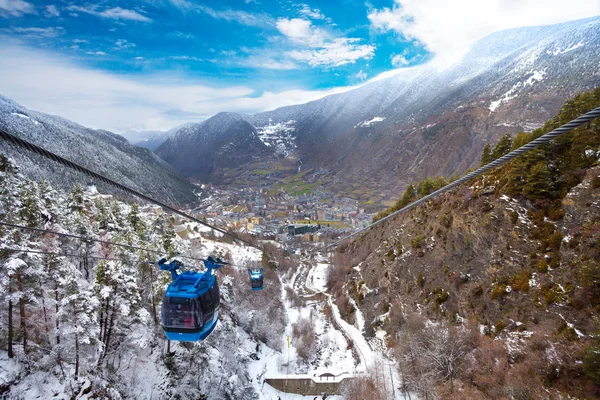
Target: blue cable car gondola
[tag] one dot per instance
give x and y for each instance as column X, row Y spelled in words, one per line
column 256, row 279
column 190, row 309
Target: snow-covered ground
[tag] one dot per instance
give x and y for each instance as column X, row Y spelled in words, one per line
column 317, row 278
column 366, row 124
column 370, row 358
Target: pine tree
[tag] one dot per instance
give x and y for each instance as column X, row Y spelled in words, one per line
column 539, row 182
column 425, row 187
column 503, row 147
column 486, row 155
column 8, row 291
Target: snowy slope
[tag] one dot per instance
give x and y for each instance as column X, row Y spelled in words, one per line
column 444, row 110
column 201, row 150
column 147, row 139
column 101, row 151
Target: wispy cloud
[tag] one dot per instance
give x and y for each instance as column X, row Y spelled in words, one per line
column 442, row 26
column 259, row 20
column 181, row 35
column 111, row 13
column 53, row 84
column 258, row 61
column 37, row 33
column 96, row 53
column 122, row 44
column 313, row 13
column 15, row 8
column 51, row 11
column 399, row 60
column 320, row 48
column 187, row 58
column 301, row 31
column 360, row 75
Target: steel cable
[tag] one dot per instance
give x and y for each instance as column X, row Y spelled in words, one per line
column 587, row 117
column 52, row 156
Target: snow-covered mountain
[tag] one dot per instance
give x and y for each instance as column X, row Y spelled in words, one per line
column 104, row 152
column 148, row 139
column 200, row 150
column 435, row 118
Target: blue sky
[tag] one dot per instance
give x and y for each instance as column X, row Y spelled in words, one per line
column 266, row 45
column 158, row 63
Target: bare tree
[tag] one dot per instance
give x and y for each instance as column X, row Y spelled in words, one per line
column 430, row 355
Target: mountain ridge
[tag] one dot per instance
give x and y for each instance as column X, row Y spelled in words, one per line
column 509, row 81
column 99, row 150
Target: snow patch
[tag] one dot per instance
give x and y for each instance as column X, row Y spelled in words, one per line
column 26, row 117
column 279, row 135
column 559, row 50
column 366, row 124
column 536, row 76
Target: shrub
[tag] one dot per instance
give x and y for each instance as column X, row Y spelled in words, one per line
column 391, row 255
column 542, row 266
column 591, row 362
column 520, row 281
column 417, row 241
column 589, row 276
column 441, row 295
column 499, row 326
column 498, row 291
column 420, row 280
column 552, row 293
column 555, row 240
column 514, row 217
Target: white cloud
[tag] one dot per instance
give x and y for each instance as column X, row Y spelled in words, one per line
column 323, row 50
column 122, row 44
column 268, row 63
column 181, row 35
column 51, row 11
column 53, row 84
column 334, row 54
column 15, row 8
column 360, row 75
column 241, row 17
column 399, row 60
column 111, row 13
column 80, row 41
column 37, row 33
column 442, row 26
column 96, row 53
column 313, row 13
column 301, row 31
column 186, row 58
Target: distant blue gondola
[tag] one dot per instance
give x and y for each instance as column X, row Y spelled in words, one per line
column 190, row 309
column 256, row 279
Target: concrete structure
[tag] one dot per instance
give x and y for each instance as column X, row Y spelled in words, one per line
column 309, row 385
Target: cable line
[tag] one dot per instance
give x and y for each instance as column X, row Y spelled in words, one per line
column 52, row 156
column 89, row 239
column 587, row 117
column 58, row 254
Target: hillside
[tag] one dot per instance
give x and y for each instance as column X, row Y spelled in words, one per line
column 202, row 150
column 74, row 326
column 429, row 120
column 504, row 270
column 147, row 139
column 101, row 151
